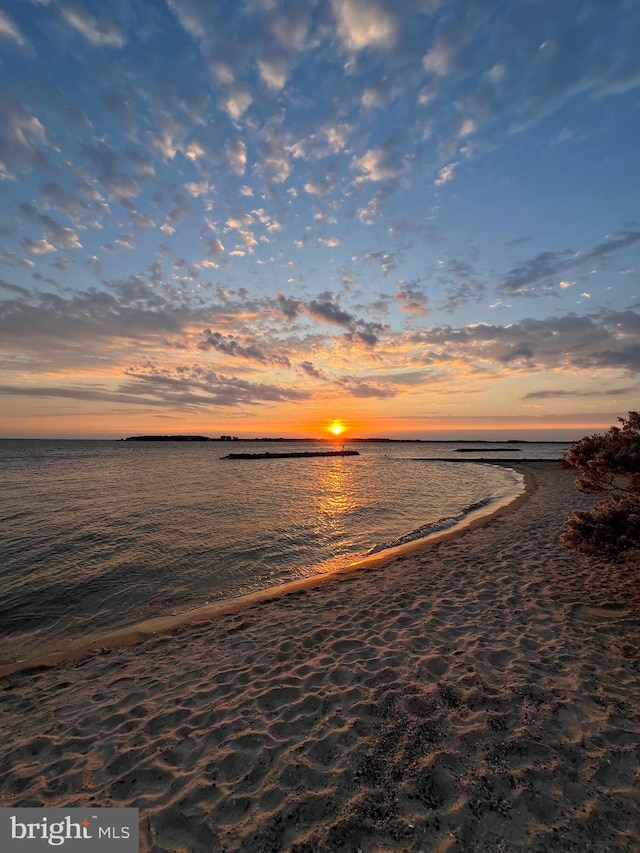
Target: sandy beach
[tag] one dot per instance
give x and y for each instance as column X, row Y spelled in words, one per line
column 480, row 695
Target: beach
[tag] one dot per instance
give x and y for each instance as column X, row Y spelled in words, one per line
column 480, row 693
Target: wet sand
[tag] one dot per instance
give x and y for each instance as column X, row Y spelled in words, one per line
column 481, row 695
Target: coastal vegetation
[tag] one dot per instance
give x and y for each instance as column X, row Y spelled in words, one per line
column 608, row 464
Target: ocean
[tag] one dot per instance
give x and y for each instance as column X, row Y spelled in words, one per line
column 96, row 535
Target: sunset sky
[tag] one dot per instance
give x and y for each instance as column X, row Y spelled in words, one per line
column 256, row 217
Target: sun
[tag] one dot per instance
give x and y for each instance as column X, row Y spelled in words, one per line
column 336, row 428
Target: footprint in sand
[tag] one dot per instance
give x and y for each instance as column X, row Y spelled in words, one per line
column 591, row 613
column 436, row 665
column 500, row 658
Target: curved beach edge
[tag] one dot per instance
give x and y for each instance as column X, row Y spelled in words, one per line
column 148, row 629
column 481, row 695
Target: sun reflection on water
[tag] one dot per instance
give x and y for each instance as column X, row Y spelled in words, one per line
column 336, row 495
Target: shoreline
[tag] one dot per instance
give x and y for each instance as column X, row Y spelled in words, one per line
column 139, row 632
column 482, row 695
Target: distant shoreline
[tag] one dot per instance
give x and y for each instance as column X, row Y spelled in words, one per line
column 341, row 440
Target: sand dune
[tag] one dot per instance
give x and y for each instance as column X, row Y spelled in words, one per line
column 481, row 696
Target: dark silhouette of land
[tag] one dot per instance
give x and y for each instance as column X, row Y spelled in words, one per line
column 345, row 440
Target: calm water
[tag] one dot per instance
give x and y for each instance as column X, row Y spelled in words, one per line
column 98, row 534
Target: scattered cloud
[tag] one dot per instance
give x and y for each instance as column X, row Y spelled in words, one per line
column 36, row 247
column 445, row 174
column 98, row 32
column 380, row 164
column 411, row 298
column 231, row 345
column 586, row 392
column 237, row 156
column 540, row 274
column 22, row 140
column 363, row 23
column 8, row 30
column 279, row 184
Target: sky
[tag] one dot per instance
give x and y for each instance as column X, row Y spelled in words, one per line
column 416, row 218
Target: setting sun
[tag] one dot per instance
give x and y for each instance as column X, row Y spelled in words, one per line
column 336, row 428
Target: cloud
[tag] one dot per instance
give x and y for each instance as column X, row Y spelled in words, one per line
column 284, row 35
column 197, row 387
column 14, row 288
column 363, row 23
column 328, row 242
column 194, row 151
column 188, row 389
column 540, row 274
column 373, row 207
column 192, row 17
column 240, row 222
column 54, row 325
column 364, row 388
column 272, row 36
column 72, row 204
column 460, row 284
column 231, row 345
column 438, row 59
column 125, row 241
column 445, row 174
column 237, row 156
column 214, row 247
column 237, row 103
column 366, row 333
column 274, row 146
column 588, row 392
column 13, row 259
column 411, row 298
column 385, row 260
column 22, row 136
column 102, row 32
column 545, row 58
column 309, row 370
column 176, row 213
column 326, row 311
column 380, row 164
column 274, row 72
column 467, row 127
column 106, row 162
column 455, row 33
column 323, row 141
column 9, row 30
column 197, row 188
column 141, row 163
column 358, row 330
column 323, row 185
column 55, row 235
column 140, row 219
column 288, row 307
column 607, row 340
column 36, row 247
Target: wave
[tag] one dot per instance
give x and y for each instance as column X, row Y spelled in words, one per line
column 430, row 528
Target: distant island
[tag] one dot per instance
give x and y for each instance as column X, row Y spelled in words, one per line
column 344, row 440
column 170, row 438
